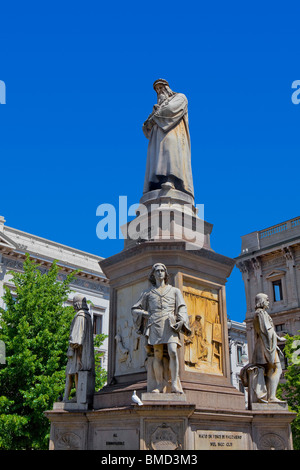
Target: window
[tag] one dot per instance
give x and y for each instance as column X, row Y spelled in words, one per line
column 280, row 327
column 277, row 290
column 97, row 324
column 239, row 352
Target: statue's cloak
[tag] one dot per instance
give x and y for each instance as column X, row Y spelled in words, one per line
column 81, row 334
column 266, row 349
column 169, row 149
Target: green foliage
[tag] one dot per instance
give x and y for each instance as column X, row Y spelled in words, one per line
column 101, row 374
column 35, row 328
column 290, row 389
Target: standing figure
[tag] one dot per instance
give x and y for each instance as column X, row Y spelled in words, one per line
column 262, row 375
column 160, row 314
column 81, row 360
column 169, row 149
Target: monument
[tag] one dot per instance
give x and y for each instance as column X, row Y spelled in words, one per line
column 168, row 384
column 262, row 374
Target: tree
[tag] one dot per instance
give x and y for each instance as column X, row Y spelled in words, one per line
column 101, row 373
column 35, row 329
column 290, row 389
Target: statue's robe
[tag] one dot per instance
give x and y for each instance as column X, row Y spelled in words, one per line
column 169, row 149
column 80, row 358
column 266, row 349
column 164, row 309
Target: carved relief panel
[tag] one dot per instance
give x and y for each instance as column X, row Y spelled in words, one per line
column 162, row 436
column 129, row 345
column 204, row 348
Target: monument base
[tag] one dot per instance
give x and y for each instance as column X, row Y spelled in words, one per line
column 165, row 423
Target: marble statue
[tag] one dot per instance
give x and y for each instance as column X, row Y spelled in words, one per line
column 263, row 373
column 160, row 314
column 81, row 361
column 169, row 150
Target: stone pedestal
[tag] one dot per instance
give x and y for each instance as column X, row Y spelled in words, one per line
column 84, row 394
column 170, row 425
column 211, row 413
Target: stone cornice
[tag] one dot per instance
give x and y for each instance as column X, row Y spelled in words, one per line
column 176, row 246
column 13, row 233
column 86, row 279
column 276, row 247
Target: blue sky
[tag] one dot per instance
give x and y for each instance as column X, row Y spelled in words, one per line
column 79, row 86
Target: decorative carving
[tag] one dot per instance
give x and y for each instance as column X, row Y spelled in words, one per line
column 196, row 345
column 127, row 345
column 271, row 441
column 244, row 267
column 67, row 441
column 164, row 438
column 203, row 349
column 256, row 264
column 12, row 263
column 288, row 253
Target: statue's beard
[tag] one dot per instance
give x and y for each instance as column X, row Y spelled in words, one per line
column 163, row 95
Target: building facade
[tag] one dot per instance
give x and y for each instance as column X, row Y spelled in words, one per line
column 270, row 263
column 90, row 281
column 238, row 351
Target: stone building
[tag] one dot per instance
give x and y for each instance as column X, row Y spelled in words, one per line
column 270, row 263
column 238, row 351
column 91, row 282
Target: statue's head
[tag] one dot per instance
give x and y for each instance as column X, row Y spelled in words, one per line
column 158, row 270
column 162, row 89
column 262, row 301
column 79, row 302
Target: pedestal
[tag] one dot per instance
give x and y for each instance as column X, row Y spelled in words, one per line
column 211, row 413
column 166, row 425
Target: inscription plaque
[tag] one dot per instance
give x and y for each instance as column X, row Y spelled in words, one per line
column 116, row 439
column 220, row 440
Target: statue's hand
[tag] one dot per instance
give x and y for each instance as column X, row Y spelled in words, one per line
column 139, row 311
column 177, row 326
column 281, row 339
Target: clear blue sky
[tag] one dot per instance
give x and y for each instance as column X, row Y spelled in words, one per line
column 79, row 86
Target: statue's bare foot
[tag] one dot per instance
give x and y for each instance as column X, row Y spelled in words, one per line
column 275, row 400
column 156, row 390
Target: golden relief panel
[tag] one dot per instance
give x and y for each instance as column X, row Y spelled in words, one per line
column 203, row 349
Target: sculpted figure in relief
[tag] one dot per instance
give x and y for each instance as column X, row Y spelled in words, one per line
column 262, row 375
column 160, row 314
column 196, row 345
column 127, row 345
column 169, row 149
